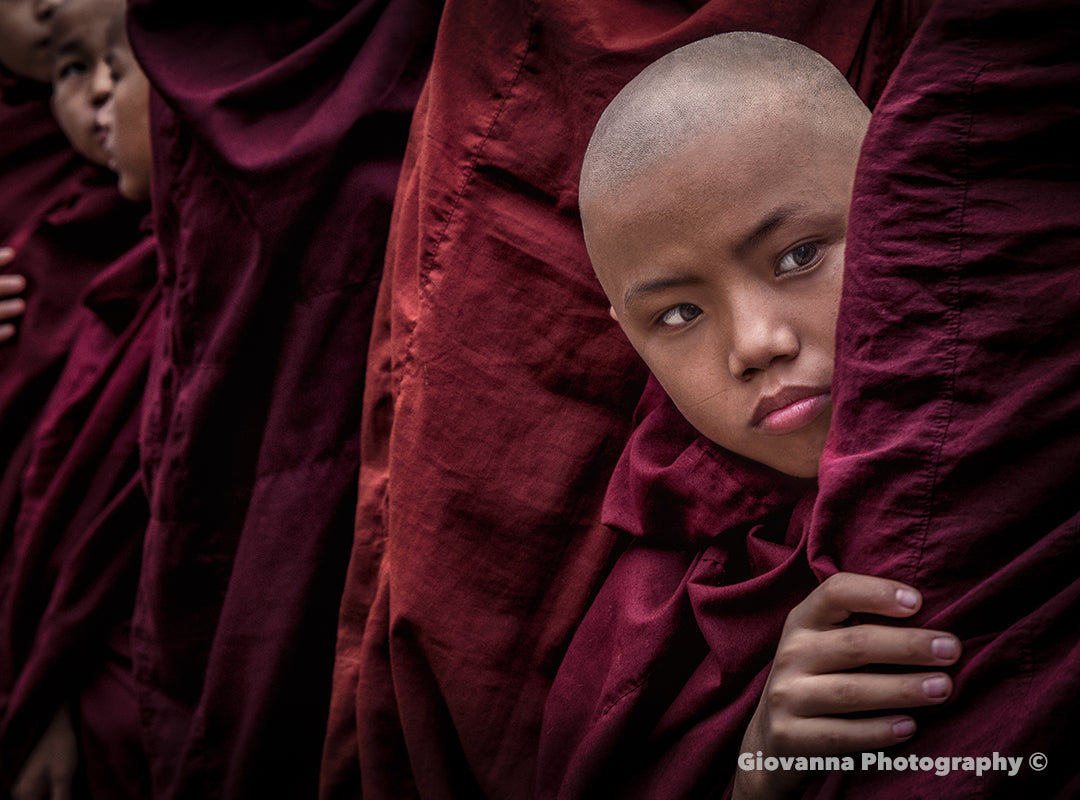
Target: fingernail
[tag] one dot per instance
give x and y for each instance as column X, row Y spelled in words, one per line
column 944, row 647
column 903, row 729
column 907, row 598
column 935, row 687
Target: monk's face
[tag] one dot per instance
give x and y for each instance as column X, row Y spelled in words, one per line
column 125, row 122
column 723, row 265
column 24, row 37
column 80, row 75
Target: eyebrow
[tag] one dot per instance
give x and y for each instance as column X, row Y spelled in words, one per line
column 764, row 228
column 658, row 285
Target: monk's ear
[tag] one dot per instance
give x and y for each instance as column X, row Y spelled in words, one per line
column 611, row 311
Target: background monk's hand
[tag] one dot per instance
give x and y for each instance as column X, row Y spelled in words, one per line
column 11, row 307
column 812, row 685
column 49, row 772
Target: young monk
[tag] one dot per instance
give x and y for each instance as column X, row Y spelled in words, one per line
column 68, row 718
column 34, row 154
column 714, row 200
column 61, row 221
column 447, row 646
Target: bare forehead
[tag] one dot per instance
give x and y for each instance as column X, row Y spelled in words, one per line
column 75, row 18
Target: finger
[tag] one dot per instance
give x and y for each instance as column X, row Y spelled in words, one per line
column 847, row 593
column 826, row 736
column 12, row 309
column 6, row 332
column 7, row 255
column 861, row 645
column 848, row 693
column 11, row 284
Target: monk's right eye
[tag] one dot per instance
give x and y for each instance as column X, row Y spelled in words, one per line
column 682, row 314
column 68, row 69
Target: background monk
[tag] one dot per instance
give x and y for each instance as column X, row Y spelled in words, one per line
column 278, row 135
column 955, row 460
column 66, row 234
column 68, row 723
column 714, row 200
column 35, row 157
column 499, row 395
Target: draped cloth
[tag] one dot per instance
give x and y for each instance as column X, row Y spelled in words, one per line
column 74, row 564
column 81, row 226
column 499, row 392
column 667, row 667
column 278, row 133
column 954, row 457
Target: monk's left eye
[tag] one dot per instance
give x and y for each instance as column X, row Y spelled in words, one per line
column 798, row 259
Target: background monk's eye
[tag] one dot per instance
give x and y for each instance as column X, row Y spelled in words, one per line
column 70, row 68
column 799, row 258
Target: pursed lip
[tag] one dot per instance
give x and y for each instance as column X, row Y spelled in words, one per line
column 790, row 408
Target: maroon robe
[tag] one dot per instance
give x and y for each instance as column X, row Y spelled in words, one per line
column 954, row 459
column 83, row 226
column 499, row 392
column 667, row 667
column 278, row 136
column 35, row 156
column 74, row 566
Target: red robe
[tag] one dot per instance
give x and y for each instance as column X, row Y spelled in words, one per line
column 74, row 565
column 667, row 667
column 35, row 156
column 79, row 229
column 278, row 135
column 499, row 392
column 954, row 462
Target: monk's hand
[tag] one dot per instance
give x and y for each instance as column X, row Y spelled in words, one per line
column 49, row 772
column 11, row 307
column 824, row 670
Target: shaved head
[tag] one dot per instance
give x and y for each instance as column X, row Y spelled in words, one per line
column 712, row 84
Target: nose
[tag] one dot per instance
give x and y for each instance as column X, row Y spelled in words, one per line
column 104, row 115
column 761, row 336
column 43, row 9
column 100, row 85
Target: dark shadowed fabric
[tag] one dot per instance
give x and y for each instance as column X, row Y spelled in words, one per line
column 954, row 460
column 667, row 667
column 35, row 157
column 499, row 392
column 75, row 561
column 83, row 226
column 278, row 134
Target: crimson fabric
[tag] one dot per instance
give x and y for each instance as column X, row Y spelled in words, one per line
column 499, row 392
column 83, row 226
column 278, row 133
column 667, row 667
column 78, row 536
column 35, row 157
column 955, row 453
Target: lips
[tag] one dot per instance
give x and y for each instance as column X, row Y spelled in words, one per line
column 790, row 409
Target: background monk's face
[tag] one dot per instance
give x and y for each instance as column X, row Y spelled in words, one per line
column 24, row 37
column 80, row 76
column 125, row 120
column 723, row 265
